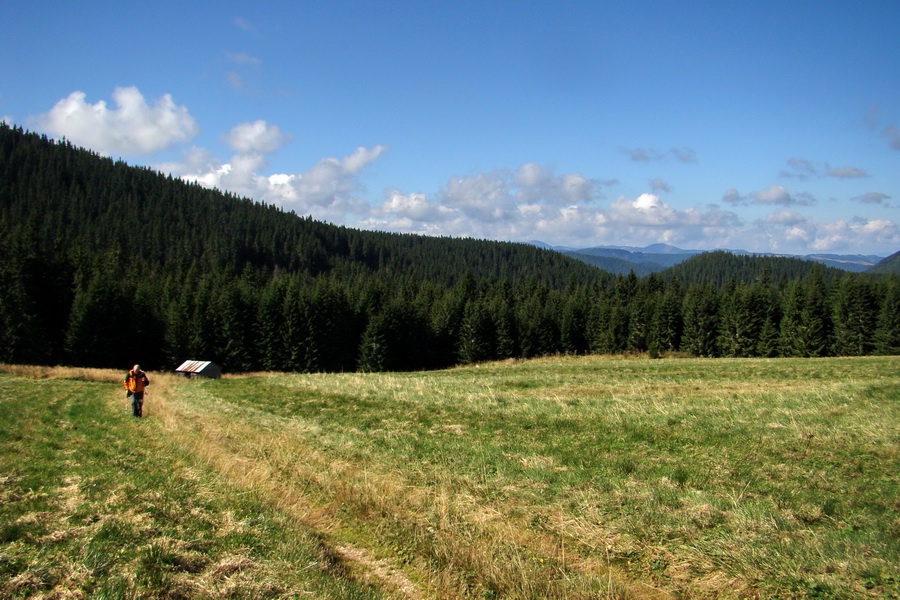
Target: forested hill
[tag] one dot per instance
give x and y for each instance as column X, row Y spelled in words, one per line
column 106, row 265
column 72, row 202
column 720, row 267
column 889, row 265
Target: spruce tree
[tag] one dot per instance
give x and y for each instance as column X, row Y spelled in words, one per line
column 855, row 317
column 701, row 320
column 667, row 326
column 477, row 338
column 101, row 331
column 887, row 332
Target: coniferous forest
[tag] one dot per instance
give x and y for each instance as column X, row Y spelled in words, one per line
column 103, row 264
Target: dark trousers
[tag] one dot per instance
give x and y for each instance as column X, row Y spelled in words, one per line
column 137, row 403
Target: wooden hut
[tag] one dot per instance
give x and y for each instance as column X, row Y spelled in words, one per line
column 199, row 368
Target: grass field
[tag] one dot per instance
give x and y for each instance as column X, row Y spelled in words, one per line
column 555, row 478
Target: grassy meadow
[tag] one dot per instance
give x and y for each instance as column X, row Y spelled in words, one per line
column 589, row 477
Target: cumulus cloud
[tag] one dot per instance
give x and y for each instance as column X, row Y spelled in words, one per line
column 536, row 184
column 525, row 203
column 132, row 127
column 504, row 195
column 257, row 136
column 516, row 205
column 789, row 231
column 774, row 194
column 485, row 197
column 327, row 190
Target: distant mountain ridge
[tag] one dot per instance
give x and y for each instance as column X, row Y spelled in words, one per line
column 659, row 257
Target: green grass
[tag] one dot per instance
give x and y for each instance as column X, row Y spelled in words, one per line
column 555, row 478
column 95, row 504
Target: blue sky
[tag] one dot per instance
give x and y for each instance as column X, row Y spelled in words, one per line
column 765, row 126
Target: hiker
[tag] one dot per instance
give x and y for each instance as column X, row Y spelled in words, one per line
column 135, row 382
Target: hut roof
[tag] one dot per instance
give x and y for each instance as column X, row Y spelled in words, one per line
column 193, row 366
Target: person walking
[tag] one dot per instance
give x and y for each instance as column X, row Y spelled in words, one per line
column 135, row 382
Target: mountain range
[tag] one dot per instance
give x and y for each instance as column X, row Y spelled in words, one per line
column 659, row 257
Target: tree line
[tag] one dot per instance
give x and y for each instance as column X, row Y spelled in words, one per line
column 104, row 264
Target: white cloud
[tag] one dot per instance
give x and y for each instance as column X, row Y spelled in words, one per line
column 413, row 208
column 257, row 136
column 327, row 190
column 133, row 127
column 536, row 184
column 512, row 205
column 786, row 218
column 840, row 235
column 788, row 231
column 485, row 197
column 774, row 194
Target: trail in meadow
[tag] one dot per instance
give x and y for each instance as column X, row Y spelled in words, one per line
column 410, row 540
column 281, row 471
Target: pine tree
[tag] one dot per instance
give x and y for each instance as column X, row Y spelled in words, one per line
column 815, row 324
column 234, row 319
column 742, row 316
column 792, row 308
column 373, row 347
column 855, row 316
column 268, row 325
column 15, row 315
column 887, row 333
column 301, row 352
column 667, row 326
column 102, row 325
column 701, row 320
column 573, row 323
column 477, row 338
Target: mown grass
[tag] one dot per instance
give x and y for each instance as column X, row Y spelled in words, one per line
column 561, row 478
column 96, row 504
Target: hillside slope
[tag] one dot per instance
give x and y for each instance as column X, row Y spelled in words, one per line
column 107, row 265
column 69, row 202
column 720, row 266
column 890, row 265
